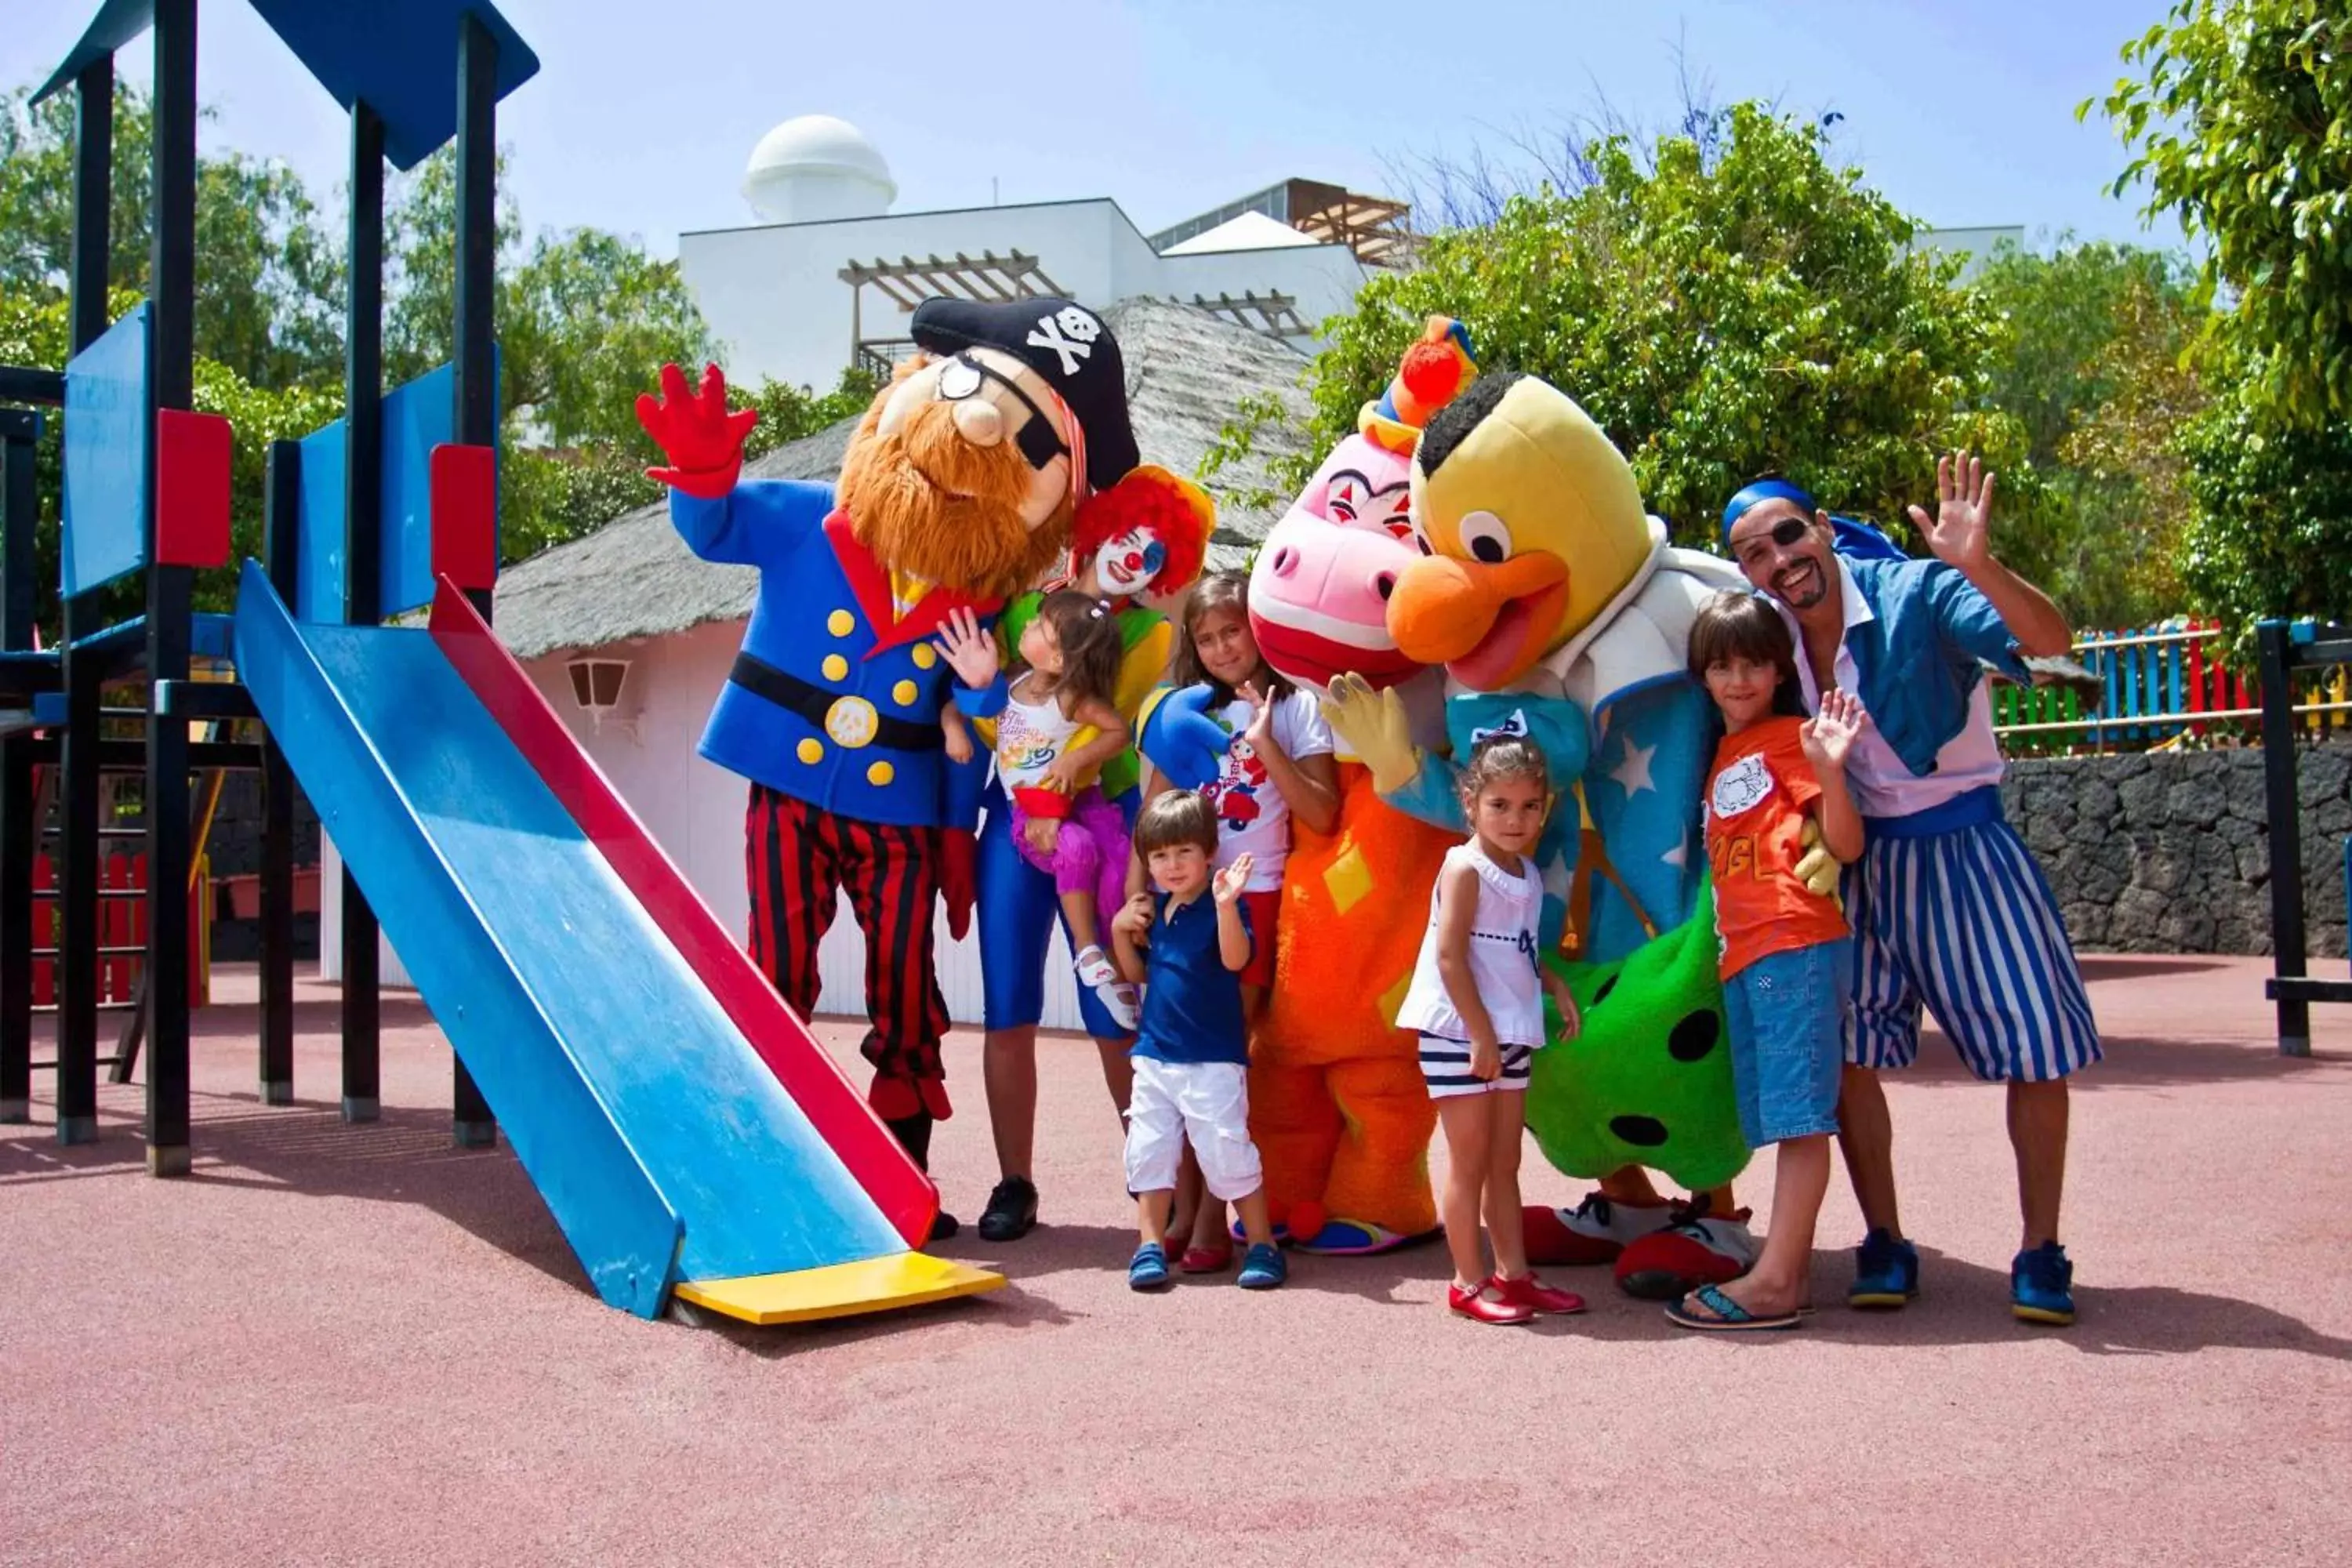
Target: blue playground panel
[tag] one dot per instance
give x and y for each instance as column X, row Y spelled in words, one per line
column 643, row 1117
column 109, row 430
column 397, row 55
column 417, row 417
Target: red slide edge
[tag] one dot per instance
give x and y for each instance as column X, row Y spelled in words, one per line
column 818, row 1084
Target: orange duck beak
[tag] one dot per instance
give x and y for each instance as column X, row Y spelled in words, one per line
column 1488, row 625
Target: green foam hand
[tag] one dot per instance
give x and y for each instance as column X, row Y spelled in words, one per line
column 1647, row 1080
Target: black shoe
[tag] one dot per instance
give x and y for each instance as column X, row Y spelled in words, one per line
column 1011, row 1210
column 943, row 1226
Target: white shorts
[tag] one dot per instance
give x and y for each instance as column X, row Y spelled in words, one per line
column 1207, row 1103
column 1445, row 1069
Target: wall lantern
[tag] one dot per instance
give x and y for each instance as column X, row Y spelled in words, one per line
column 596, row 688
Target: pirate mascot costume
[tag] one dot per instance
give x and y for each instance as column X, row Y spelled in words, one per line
column 956, row 490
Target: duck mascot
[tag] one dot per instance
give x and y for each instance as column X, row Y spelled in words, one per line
column 958, row 489
column 1337, row 1103
column 1558, row 611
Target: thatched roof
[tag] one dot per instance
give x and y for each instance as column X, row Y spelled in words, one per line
column 1187, row 373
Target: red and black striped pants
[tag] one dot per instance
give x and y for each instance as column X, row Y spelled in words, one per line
column 798, row 858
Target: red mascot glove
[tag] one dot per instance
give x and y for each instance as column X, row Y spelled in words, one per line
column 703, row 442
column 957, row 884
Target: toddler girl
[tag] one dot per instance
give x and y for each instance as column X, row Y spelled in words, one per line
column 1058, row 727
column 1477, row 999
column 1787, row 956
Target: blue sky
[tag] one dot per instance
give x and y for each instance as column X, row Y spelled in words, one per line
column 642, row 116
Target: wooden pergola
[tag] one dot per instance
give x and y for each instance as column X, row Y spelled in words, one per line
column 906, row 283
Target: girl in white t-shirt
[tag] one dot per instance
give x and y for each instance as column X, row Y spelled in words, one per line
column 1278, row 764
column 1278, row 769
column 1477, row 1001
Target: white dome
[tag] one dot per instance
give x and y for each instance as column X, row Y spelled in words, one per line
column 815, row 167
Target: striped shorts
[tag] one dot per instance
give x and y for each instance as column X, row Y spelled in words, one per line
column 1949, row 909
column 1445, row 1068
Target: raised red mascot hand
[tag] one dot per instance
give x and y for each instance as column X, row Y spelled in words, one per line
column 958, row 885
column 703, row 442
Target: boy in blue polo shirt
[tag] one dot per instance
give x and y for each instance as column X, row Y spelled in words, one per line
column 1191, row 1051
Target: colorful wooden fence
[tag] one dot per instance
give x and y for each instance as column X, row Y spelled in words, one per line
column 2159, row 684
column 123, row 934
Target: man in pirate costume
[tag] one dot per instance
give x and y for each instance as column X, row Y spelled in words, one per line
column 957, row 491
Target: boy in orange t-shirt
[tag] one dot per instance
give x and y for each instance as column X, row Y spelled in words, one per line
column 1787, row 955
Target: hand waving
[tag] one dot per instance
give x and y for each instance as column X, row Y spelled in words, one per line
column 703, row 442
column 1830, row 734
column 1960, row 533
column 1259, row 732
column 970, row 652
column 1230, row 881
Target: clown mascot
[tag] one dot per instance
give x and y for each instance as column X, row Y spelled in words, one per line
column 958, row 489
column 1137, row 543
column 1337, row 1101
column 1559, row 612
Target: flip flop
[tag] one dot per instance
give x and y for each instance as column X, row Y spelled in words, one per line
column 1725, row 1315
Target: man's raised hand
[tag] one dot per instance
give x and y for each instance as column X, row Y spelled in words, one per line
column 1960, row 533
column 703, row 442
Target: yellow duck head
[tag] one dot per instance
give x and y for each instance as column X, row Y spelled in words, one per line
column 1529, row 523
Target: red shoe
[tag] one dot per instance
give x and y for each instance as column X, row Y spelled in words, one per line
column 1206, row 1259
column 1481, row 1304
column 1532, row 1293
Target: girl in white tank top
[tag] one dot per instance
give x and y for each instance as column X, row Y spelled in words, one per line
column 1477, row 1000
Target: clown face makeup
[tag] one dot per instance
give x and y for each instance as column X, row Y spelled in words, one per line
column 1127, row 563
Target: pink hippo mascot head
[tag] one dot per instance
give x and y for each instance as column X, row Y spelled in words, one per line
column 1337, row 1101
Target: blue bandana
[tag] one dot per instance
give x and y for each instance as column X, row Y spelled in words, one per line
column 1851, row 536
column 1756, row 495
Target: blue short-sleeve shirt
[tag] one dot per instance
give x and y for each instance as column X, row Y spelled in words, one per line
column 1191, row 1002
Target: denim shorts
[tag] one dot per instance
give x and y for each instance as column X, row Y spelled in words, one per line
column 1787, row 1040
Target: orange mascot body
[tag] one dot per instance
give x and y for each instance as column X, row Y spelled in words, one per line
column 1337, row 1106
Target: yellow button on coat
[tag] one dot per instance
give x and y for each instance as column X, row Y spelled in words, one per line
column 841, row 623
column 925, row 656
column 903, row 694
column 880, row 773
column 835, row 667
column 811, row 749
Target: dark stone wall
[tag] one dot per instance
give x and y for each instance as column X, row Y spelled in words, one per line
column 235, row 849
column 2170, row 852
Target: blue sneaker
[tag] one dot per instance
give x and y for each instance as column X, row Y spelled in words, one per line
column 1886, row 1271
column 1262, row 1267
column 1149, row 1268
column 2041, row 1286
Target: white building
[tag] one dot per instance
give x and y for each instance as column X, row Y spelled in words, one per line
column 830, row 274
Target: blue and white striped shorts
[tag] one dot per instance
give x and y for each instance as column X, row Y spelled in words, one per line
column 1950, row 909
column 1445, row 1069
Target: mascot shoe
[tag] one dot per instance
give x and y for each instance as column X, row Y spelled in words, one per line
column 1697, row 1249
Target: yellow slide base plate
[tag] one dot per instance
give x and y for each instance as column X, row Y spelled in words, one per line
column 840, row 1290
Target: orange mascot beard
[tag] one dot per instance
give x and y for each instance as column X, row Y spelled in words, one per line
column 927, row 502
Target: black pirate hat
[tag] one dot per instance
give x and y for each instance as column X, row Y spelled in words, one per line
column 1062, row 340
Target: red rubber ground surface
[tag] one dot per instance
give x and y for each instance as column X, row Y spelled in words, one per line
column 359, row 1345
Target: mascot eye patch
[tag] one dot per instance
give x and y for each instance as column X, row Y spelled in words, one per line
column 964, row 377
column 1693, row 1037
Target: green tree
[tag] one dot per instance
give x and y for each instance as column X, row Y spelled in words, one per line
column 2242, row 126
column 1727, row 305
column 2093, row 364
column 269, row 288
column 2240, row 120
